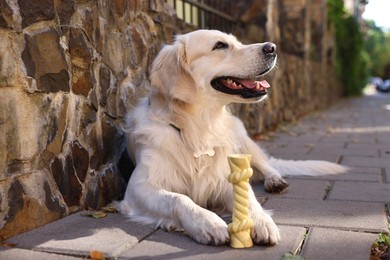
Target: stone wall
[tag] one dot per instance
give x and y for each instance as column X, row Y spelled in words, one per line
column 69, row 70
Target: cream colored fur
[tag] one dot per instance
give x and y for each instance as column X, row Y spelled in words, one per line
column 180, row 136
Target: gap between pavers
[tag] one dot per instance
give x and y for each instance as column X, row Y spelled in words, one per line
column 325, row 244
column 77, row 235
column 163, row 245
column 347, row 215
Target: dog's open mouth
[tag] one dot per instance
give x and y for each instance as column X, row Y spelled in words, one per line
column 246, row 88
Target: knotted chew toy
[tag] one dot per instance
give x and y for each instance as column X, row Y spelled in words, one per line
column 240, row 228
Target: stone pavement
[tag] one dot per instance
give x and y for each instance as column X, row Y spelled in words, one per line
column 328, row 217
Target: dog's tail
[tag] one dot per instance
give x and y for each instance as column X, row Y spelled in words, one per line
column 308, row 168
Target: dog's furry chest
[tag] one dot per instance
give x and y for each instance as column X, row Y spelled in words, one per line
column 191, row 161
column 204, row 179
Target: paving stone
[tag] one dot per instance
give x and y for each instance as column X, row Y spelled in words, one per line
column 298, row 189
column 365, row 161
column 367, row 146
column 360, row 191
column 325, row 244
column 365, row 170
column 301, row 149
column 335, row 137
column 298, row 156
column 367, row 139
column 331, row 145
column 387, row 176
column 383, row 131
column 385, row 152
column 78, row 235
column 22, row 254
column 298, row 137
column 373, row 152
column 367, row 216
column 164, row 245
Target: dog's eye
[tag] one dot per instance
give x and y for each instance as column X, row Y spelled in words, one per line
column 220, row 45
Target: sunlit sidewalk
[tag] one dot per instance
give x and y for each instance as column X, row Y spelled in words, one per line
column 329, row 217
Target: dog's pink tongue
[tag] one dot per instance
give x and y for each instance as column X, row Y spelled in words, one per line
column 248, row 83
column 264, row 84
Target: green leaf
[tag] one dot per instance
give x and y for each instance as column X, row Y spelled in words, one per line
column 95, row 214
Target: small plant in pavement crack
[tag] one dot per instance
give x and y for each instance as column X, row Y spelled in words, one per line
column 380, row 249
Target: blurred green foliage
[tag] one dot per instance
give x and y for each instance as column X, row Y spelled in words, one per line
column 351, row 60
column 377, row 45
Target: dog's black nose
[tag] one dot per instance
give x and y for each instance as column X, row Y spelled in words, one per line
column 269, row 48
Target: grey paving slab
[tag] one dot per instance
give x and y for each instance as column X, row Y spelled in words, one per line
column 288, row 150
column 301, row 132
column 298, row 189
column 325, row 244
column 367, row 146
column 78, row 235
column 335, row 137
column 298, row 156
column 373, row 152
column 360, row 191
column 385, row 152
column 365, row 170
column 384, row 138
column 387, row 175
column 367, row 216
column 351, row 138
column 22, row 254
column 365, row 161
column 331, row 145
column 163, row 245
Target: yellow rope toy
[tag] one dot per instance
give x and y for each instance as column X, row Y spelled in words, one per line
column 240, row 228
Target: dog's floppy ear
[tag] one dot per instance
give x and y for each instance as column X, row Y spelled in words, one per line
column 170, row 73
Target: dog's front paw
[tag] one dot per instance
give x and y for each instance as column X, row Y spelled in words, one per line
column 265, row 231
column 275, row 184
column 209, row 230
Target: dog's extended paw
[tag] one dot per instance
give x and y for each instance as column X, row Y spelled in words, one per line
column 209, row 230
column 275, row 184
column 265, row 231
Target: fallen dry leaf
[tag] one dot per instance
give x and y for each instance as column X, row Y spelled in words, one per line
column 355, row 141
column 309, row 145
column 96, row 255
column 6, row 244
column 95, row 214
column 109, row 209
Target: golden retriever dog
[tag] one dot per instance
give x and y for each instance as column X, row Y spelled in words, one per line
column 180, row 136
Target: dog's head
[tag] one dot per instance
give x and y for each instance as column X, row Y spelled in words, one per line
column 211, row 65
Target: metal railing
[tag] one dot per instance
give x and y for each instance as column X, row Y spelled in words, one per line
column 203, row 15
